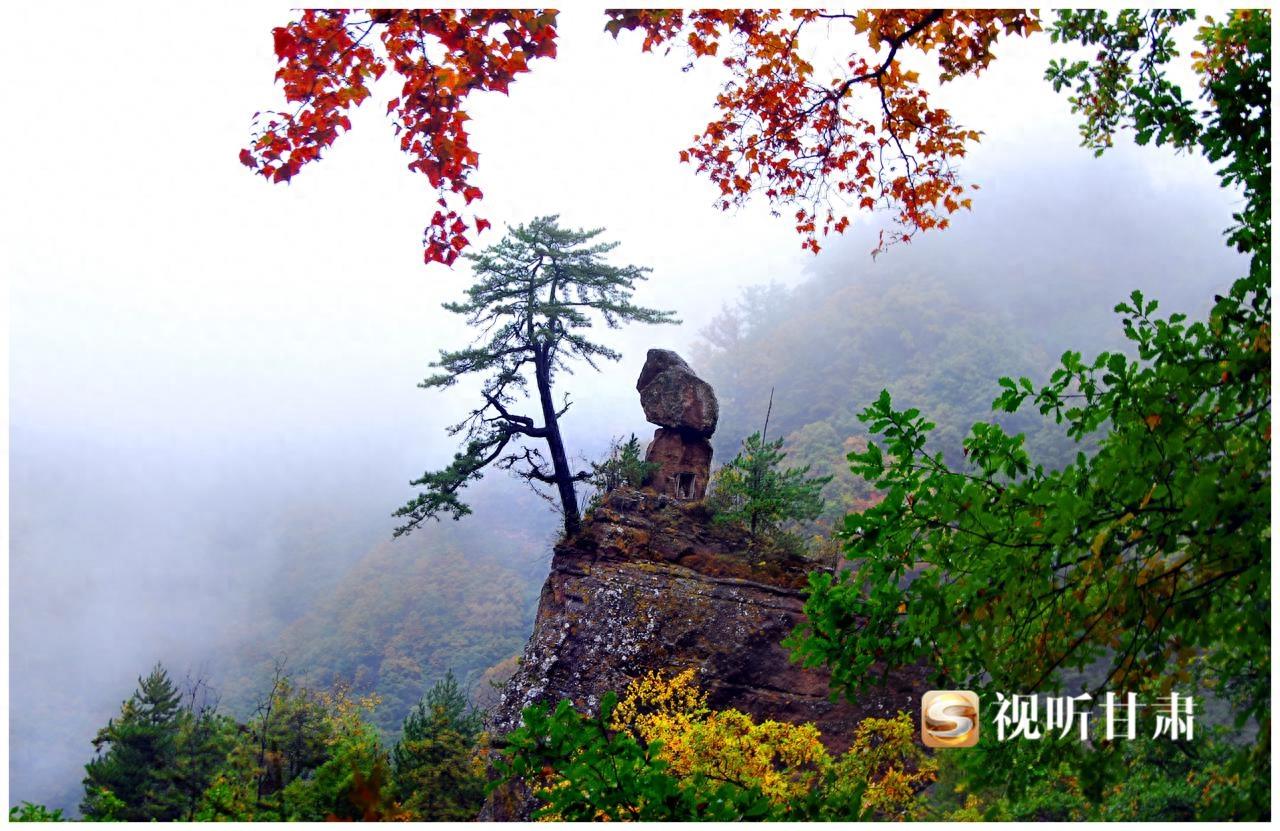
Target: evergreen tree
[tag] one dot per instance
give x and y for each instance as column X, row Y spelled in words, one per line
column 351, row 783
column 756, row 490
column 294, row 732
column 306, row 755
column 131, row 777
column 625, row 465
column 535, row 293
column 204, row 740
column 438, row 775
column 233, row 791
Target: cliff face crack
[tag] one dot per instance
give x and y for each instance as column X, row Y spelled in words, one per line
column 764, row 688
column 681, row 569
column 713, row 590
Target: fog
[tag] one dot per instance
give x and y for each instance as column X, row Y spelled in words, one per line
column 212, row 379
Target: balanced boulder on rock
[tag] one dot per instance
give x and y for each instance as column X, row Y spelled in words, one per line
column 686, row 411
column 673, row 396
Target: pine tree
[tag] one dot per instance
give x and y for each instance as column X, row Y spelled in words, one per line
column 624, row 466
column 204, row 740
column 131, row 777
column 535, row 293
column 437, row 773
column 755, row 489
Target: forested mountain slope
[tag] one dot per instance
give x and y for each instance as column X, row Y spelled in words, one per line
column 937, row 323
column 453, row 597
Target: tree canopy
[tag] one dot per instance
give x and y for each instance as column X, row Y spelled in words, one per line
column 305, row 755
column 660, row 753
column 869, row 138
column 155, row 759
column 438, row 774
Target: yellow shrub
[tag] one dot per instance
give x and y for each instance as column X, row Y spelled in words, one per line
column 654, row 703
column 783, row 760
column 886, row 758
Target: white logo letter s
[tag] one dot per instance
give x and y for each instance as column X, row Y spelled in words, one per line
column 944, row 711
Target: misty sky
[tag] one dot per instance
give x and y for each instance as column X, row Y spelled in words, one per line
column 199, row 359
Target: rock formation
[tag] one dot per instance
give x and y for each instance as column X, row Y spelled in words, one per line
column 686, row 411
column 651, row 584
column 684, row 464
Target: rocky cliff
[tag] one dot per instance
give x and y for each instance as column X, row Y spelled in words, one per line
column 651, row 583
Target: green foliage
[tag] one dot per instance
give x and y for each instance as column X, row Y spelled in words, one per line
column 204, row 739
column 536, row 292
column 444, row 705
column 1158, row 780
column 29, row 812
column 439, row 776
column 305, row 755
column 103, row 806
column 293, row 732
column 1146, row 779
column 756, row 490
column 1111, row 90
column 234, row 792
column 663, row 755
column 1151, row 552
column 623, row 467
column 1235, row 125
column 154, row 760
column 1148, row 555
column 310, row 755
column 353, row 762
column 590, row 772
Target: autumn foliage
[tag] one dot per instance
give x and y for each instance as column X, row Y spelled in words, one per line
column 815, row 144
column 328, row 61
column 782, row 760
column 661, row 753
column 868, row 138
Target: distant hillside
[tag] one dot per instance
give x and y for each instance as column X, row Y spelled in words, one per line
column 936, row 333
column 451, row 596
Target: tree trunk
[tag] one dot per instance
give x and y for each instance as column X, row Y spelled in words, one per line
column 559, row 461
